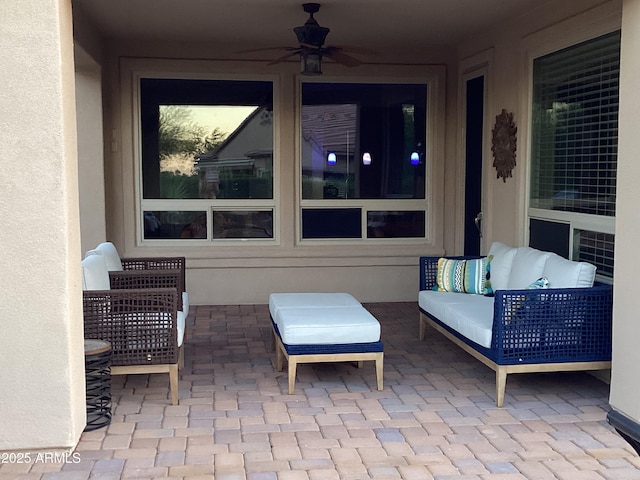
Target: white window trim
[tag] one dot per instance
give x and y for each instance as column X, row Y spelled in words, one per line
column 433, row 78
column 538, row 45
column 206, row 205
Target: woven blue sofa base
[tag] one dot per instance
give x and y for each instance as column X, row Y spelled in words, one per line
column 328, row 349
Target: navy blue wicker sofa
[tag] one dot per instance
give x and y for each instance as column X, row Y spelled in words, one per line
column 513, row 325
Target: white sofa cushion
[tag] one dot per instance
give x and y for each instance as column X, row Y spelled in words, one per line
column 95, row 275
column 327, row 326
column 563, row 273
column 528, row 265
column 469, row 315
column 500, row 266
column 310, row 300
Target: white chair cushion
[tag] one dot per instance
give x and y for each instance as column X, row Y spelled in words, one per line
column 500, row 266
column 327, row 326
column 180, row 325
column 111, row 256
column 469, row 315
column 310, row 300
column 95, row 275
column 185, row 303
column 563, row 273
column 528, row 265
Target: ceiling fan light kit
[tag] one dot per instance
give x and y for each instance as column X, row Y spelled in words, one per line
column 311, row 62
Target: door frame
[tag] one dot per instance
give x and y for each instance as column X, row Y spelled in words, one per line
column 472, row 67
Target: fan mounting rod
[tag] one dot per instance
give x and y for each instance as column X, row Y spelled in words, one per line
column 311, row 8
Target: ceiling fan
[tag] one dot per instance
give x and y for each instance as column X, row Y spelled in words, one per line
column 311, row 49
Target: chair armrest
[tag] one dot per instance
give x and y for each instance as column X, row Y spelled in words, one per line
column 153, row 263
column 161, row 278
column 555, row 324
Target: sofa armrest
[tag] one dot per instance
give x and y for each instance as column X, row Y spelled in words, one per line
column 429, row 269
column 553, row 325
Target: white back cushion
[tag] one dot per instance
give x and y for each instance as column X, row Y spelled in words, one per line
column 500, row 266
column 94, row 273
column 110, row 254
column 528, row 265
column 563, row 273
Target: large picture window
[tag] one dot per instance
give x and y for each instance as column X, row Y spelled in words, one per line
column 207, row 159
column 363, row 160
column 574, row 143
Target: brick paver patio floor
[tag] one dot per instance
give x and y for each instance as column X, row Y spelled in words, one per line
column 435, row 419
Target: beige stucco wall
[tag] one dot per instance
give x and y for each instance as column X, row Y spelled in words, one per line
column 90, row 150
column 625, row 388
column 42, row 402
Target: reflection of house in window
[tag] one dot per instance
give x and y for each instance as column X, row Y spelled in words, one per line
column 329, row 129
column 357, row 141
column 242, row 165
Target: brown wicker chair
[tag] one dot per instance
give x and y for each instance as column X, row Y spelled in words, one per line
column 145, row 272
column 144, row 326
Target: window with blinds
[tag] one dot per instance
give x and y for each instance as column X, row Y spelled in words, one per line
column 575, row 128
column 595, row 248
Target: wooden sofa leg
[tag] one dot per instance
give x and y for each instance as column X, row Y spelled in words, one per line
column 501, row 385
column 422, row 328
column 173, row 383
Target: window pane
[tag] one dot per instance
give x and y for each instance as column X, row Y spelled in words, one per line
column 575, row 128
column 595, row 248
column 331, row 223
column 363, row 141
column 395, row 224
column 171, row 224
column 242, row 224
column 207, row 139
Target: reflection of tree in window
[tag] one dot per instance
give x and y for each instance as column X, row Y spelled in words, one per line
column 206, row 139
column 181, row 140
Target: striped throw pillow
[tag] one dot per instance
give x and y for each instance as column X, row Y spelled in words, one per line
column 464, row 276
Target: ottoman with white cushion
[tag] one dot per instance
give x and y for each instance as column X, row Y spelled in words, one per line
column 324, row 327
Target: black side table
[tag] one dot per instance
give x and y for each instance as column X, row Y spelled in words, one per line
column 97, row 361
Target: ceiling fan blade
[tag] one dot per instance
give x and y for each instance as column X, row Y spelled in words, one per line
column 337, row 56
column 284, row 58
column 265, row 49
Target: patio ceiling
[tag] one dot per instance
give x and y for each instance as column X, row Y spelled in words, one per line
column 383, row 26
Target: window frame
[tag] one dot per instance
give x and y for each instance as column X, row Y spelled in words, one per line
column 434, row 108
column 576, row 221
column 207, row 205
